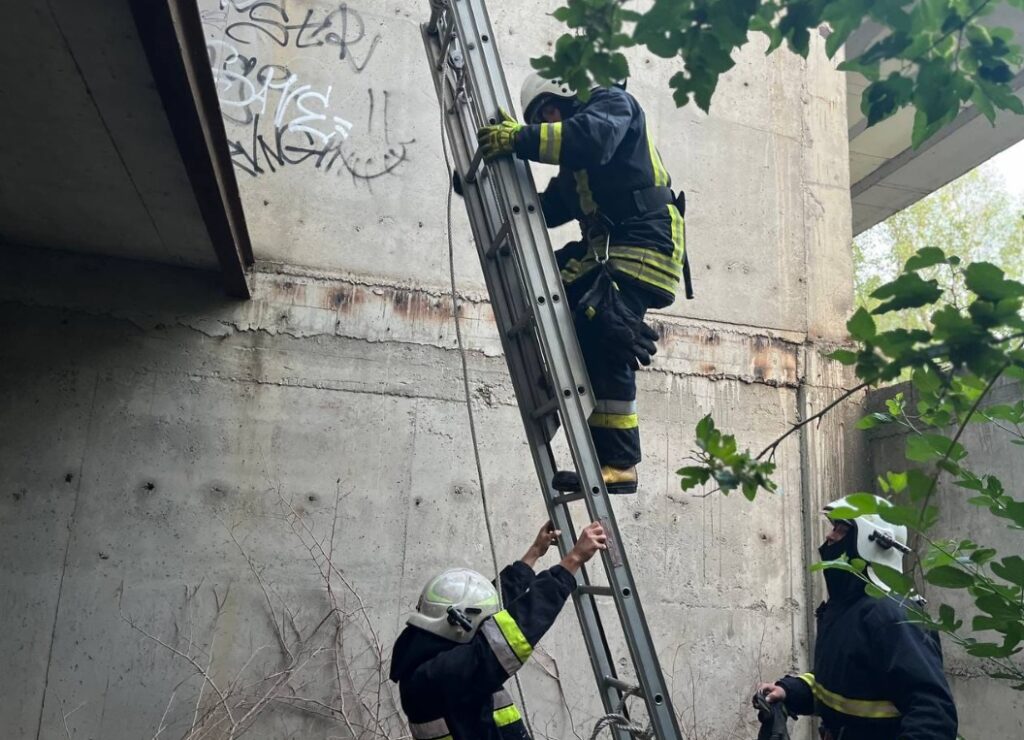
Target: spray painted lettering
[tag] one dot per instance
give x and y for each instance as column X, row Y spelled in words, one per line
column 342, row 28
column 290, row 121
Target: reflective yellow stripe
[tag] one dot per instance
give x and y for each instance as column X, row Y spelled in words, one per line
column 614, row 421
column 678, row 234
column 514, row 636
column 507, row 715
column 648, row 257
column 550, row 143
column 867, row 708
column 646, row 275
column 660, row 173
column 587, row 203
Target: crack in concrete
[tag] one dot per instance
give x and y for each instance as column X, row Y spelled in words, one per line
column 67, row 552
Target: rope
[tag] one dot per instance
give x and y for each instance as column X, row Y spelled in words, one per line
column 469, row 404
column 619, row 719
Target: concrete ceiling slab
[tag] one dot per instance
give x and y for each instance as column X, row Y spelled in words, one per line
column 90, row 159
column 886, row 173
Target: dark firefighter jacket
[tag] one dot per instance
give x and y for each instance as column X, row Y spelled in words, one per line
column 456, row 691
column 611, row 179
column 876, row 677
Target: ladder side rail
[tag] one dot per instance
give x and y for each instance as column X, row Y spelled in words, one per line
column 487, row 83
column 519, row 356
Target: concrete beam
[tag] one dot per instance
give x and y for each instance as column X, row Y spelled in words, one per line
column 172, row 35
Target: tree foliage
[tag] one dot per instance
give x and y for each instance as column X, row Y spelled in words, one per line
column 933, row 55
column 974, row 217
column 973, row 341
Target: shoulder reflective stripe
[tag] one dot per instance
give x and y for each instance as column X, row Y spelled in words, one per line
column 507, row 715
column 587, row 204
column 516, row 639
column 500, row 647
column 614, row 421
column 550, row 142
column 501, row 699
column 657, row 168
column 434, row 730
column 867, row 708
column 615, row 407
column 807, row 678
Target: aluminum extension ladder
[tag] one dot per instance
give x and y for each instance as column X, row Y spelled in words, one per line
column 538, row 338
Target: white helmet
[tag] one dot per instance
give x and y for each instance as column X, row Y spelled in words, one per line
column 537, row 89
column 454, row 603
column 878, row 541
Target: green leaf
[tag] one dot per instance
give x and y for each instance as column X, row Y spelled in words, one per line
column 982, row 556
column 1010, row 569
column 928, row 447
column 857, row 504
column 907, row 291
column 843, row 356
column 925, row 257
column 948, row 576
column 873, row 420
column 894, row 579
column 990, row 283
column 861, row 326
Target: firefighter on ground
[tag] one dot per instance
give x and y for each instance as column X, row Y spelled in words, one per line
column 876, row 676
column 630, row 256
column 452, row 660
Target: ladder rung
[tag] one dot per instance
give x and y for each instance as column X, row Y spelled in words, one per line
column 524, row 323
column 499, row 245
column 567, row 498
column 544, row 409
column 596, row 590
column 622, row 686
column 474, row 165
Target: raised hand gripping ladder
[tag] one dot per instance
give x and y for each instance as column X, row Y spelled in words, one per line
column 537, row 334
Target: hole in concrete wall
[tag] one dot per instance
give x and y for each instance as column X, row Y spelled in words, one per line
column 103, row 555
column 417, row 501
column 636, row 514
column 149, row 486
column 311, row 497
column 68, row 478
column 18, row 495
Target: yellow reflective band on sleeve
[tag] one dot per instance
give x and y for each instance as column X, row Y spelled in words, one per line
column 507, row 715
column 807, row 678
column 514, row 636
column 550, row 143
column 614, row 421
column 866, row 708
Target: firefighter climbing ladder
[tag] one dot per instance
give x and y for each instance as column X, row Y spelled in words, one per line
column 539, row 341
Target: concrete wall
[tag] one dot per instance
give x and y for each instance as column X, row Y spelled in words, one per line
column 988, row 708
column 172, row 461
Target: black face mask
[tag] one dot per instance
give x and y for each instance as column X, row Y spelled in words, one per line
column 842, row 586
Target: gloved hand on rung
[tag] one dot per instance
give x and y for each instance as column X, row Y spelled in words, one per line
column 499, row 139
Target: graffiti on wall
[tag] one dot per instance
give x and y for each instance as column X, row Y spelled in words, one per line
column 279, row 119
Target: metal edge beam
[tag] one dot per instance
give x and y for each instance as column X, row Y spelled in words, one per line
column 172, row 35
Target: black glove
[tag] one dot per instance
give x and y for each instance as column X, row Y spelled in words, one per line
column 626, row 338
column 772, row 718
column 457, row 184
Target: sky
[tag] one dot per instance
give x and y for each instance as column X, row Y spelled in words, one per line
column 1010, row 164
